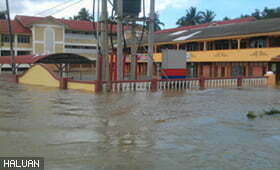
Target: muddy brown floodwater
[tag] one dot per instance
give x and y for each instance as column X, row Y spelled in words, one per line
column 165, row 130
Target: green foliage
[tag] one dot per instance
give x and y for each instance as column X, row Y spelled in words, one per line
column 83, row 15
column 2, row 15
column 266, row 13
column 194, row 17
column 251, row 115
column 158, row 23
column 207, row 16
column 272, row 112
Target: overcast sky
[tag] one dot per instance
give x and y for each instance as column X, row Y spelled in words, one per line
column 169, row 10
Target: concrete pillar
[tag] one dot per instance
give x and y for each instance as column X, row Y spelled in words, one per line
column 271, row 78
column 238, row 43
column 1, row 68
column 205, row 46
column 63, row 83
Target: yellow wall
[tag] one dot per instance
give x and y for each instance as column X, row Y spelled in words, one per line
column 39, row 33
column 58, row 34
column 81, row 86
column 39, row 48
column 24, row 45
column 5, row 45
column 38, row 75
column 59, row 48
column 242, row 55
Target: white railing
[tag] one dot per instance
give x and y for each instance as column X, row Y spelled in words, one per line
column 124, row 86
column 79, row 36
column 186, row 84
column 251, row 82
column 80, row 51
column 218, row 83
column 178, row 84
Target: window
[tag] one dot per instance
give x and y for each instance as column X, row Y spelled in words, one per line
column 234, row 44
column 23, row 39
column 222, row 44
column 5, row 53
column 24, row 52
column 243, row 44
column 257, row 43
column 274, row 41
column 6, row 38
column 80, row 47
column 78, row 32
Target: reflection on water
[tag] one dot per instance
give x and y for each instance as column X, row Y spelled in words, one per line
column 171, row 130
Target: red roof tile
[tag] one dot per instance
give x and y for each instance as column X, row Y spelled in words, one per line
column 71, row 24
column 234, row 21
column 27, row 21
column 24, row 59
column 16, row 27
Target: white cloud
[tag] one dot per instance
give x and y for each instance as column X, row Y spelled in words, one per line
column 178, row 4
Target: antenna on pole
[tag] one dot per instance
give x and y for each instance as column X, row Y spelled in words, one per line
column 11, row 39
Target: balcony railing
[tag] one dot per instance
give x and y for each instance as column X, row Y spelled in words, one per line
column 79, row 36
column 80, row 51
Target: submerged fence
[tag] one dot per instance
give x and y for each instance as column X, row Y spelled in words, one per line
column 184, row 84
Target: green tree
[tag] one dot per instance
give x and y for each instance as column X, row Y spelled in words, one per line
column 270, row 13
column 83, row 15
column 192, row 17
column 226, row 19
column 207, row 16
column 2, row 15
column 158, row 23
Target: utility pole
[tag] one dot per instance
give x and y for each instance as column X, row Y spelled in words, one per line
column 120, row 40
column 151, row 39
column 133, row 52
column 11, row 39
column 104, row 45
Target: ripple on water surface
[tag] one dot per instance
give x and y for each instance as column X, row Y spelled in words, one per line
column 165, row 130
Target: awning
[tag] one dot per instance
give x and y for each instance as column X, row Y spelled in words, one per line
column 63, row 58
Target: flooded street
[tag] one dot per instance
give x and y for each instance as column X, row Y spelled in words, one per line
column 129, row 131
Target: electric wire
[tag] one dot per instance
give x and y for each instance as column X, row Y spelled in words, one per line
column 60, row 10
column 54, row 7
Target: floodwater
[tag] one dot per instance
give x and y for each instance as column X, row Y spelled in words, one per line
column 130, row 131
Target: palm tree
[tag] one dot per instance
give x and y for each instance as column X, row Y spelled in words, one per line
column 207, row 16
column 158, row 23
column 192, row 17
column 2, row 15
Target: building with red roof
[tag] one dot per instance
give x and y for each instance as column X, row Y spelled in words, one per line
column 45, row 35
